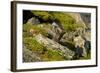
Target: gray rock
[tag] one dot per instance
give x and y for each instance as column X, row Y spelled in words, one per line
column 55, row 24
column 33, row 21
column 78, row 19
column 55, row 31
column 30, row 56
column 67, row 36
column 86, row 17
column 50, row 44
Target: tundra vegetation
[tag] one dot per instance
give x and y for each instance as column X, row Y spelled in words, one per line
column 56, row 36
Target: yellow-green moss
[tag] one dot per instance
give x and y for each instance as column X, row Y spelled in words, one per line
column 33, row 45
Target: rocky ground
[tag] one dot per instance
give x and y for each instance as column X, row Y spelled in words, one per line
column 56, row 36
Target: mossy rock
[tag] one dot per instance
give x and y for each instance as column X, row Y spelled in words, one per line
column 33, row 45
column 44, row 53
column 44, row 15
column 62, row 18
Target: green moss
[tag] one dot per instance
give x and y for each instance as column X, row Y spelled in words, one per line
column 45, row 15
column 33, row 45
column 65, row 20
column 26, row 34
column 63, row 17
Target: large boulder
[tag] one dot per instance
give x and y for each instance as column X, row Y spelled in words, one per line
column 50, row 44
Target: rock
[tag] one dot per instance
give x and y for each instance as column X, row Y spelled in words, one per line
column 77, row 17
column 54, row 24
column 50, row 44
column 83, row 19
column 67, row 36
column 33, row 21
column 86, row 18
column 87, row 45
column 87, row 35
column 55, row 31
column 30, row 56
column 79, row 44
